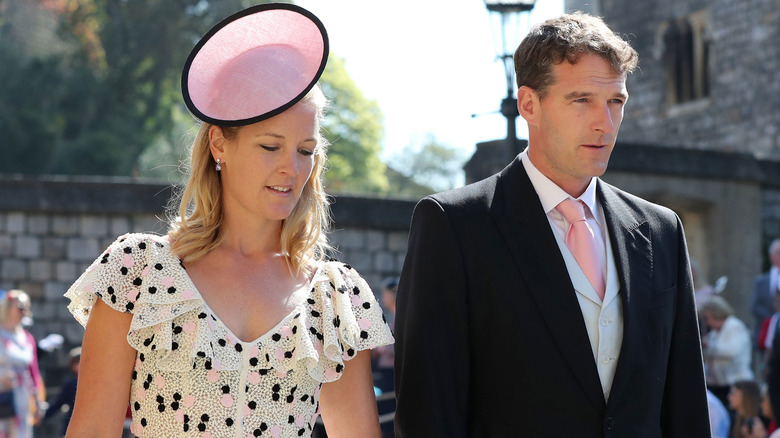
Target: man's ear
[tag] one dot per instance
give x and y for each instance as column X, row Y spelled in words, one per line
column 528, row 104
column 216, row 142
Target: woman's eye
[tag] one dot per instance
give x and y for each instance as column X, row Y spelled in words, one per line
column 306, row 152
column 269, row 148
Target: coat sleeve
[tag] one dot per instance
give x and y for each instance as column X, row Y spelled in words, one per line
column 432, row 338
column 685, row 412
column 773, row 373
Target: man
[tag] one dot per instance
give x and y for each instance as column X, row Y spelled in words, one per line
column 502, row 330
column 765, row 288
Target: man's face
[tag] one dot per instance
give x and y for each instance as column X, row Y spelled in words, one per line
column 775, row 257
column 574, row 130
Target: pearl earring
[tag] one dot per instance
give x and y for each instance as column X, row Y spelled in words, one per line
column 219, row 166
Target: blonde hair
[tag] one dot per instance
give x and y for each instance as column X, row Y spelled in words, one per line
column 195, row 224
column 15, row 297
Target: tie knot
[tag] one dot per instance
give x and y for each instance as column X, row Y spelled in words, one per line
column 572, row 211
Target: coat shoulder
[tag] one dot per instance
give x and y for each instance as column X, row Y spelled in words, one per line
column 639, row 207
column 472, row 197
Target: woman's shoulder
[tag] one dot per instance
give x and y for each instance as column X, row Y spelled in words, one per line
column 117, row 274
column 340, row 317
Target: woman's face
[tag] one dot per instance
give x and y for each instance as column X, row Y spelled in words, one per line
column 766, row 408
column 735, row 398
column 711, row 321
column 266, row 166
column 15, row 312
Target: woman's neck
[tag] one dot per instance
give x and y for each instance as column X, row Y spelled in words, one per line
column 9, row 326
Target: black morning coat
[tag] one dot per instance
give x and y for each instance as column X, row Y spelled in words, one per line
column 490, row 338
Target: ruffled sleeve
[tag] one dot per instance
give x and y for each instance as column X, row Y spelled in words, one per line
column 138, row 274
column 341, row 318
column 114, row 277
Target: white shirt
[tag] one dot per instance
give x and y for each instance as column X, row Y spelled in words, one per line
column 603, row 319
column 728, row 353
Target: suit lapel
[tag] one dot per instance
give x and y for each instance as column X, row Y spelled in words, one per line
column 632, row 251
column 519, row 216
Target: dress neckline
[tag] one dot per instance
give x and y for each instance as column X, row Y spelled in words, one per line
column 297, row 309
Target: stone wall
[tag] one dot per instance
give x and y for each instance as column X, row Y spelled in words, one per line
column 742, row 112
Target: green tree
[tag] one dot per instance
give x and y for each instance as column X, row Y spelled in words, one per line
column 353, row 126
column 426, row 168
column 94, row 106
column 107, row 99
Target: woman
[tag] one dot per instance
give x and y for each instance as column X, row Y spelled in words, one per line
column 727, row 347
column 745, row 400
column 232, row 324
column 755, row 427
column 22, row 395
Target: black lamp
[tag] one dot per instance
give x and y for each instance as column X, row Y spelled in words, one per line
column 509, row 12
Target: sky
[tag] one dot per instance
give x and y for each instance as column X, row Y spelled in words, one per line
column 430, row 65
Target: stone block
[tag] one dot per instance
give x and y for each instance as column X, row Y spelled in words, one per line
column 360, row 260
column 15, row 223
column 54, row 290
column 40, row 270
column 107, row 241
column 83, row 249
column 148, row 224
column 384, row 261
column 13, row 269
column 46, row 311
column 38, row 224
column 65, row 225
column 399, row 261
column 73, row 333
column 397, row 241
column 349, row 239
column 374, row 281
column 33, row 288
column 28, row 247
column 53, row 248
column 66, row 272
column 375, row 240
column 93, row 226
column 6, row 245
column 119, row 225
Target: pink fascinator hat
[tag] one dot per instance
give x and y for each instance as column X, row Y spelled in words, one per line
column 254, row 64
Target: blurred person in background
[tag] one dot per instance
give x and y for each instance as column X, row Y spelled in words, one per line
column 22, row 393
column 65, row 400
column 384, row 356
column 727, row 347
column 745, row 400
column 765, row 288
column 756, row 428
column 720, row 420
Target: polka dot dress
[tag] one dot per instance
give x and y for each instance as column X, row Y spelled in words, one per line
column 193, row 378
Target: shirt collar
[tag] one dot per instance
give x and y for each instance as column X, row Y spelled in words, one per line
column 550, row 194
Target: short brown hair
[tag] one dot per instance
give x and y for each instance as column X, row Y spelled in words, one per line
column 567, row 38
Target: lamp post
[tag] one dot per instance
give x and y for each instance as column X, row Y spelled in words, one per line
column 509, row 12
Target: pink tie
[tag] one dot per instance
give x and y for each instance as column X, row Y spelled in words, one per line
column 582, row 243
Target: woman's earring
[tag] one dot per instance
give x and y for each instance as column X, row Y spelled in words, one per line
column 219, row 166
